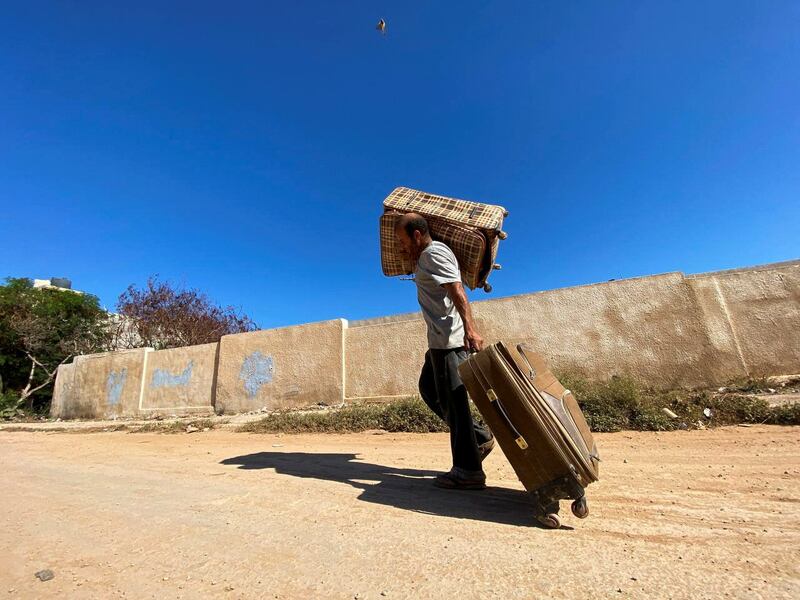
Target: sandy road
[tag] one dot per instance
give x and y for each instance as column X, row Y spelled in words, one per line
column 702, row 514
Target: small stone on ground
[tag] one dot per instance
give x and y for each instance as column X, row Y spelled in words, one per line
column 45, row 575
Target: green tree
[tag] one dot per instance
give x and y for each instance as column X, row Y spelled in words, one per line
column 40, row 329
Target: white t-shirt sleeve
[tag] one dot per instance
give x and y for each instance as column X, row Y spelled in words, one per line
column 440, row 263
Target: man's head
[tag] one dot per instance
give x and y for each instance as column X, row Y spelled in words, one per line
column 412, row 232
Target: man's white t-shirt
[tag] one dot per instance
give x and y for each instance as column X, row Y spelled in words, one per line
column 436, row 266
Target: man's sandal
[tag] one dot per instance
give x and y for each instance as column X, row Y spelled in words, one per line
column 450, row 481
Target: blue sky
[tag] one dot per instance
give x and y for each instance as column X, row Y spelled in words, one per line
column 244, row 148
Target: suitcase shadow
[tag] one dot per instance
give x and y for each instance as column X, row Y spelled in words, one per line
column 408, row 489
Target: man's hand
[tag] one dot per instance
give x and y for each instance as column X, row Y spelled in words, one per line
column 473, row 341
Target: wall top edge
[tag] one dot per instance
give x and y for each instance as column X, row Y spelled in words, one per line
column 399, row 317
column 765, row 267
column 82, row 357
column 193, row 346
column 343, row 323
column 609, row 283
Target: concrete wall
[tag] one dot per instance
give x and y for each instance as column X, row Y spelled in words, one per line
column 762, row 306
column 63, row 396
column 667, row 330
column 383, row 359
column 106, row 385
column 646, row 327
column 180, row 379
column 281, row 368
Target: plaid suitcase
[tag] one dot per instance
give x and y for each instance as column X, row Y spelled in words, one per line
column 472, row 230
column 471, row 246
column 537, row 423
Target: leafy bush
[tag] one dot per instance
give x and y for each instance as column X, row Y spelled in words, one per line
column 620, row 403
column 178, row 426
column 785, row 415
column 10, row 405
column 726, row 409
column 749, row 385
column 623, row 403
column 411, row 414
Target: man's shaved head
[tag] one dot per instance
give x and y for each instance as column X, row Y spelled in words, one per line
column 411, row 222
column 412, row 233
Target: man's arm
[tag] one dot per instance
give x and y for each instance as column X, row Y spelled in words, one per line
column 472, row 339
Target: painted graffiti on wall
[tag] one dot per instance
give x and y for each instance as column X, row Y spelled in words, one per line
column 163, row 378
column 114, row 385
column 256, row 371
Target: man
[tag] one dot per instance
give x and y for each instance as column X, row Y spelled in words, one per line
column 451, row 334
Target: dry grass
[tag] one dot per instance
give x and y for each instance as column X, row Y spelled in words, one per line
column 614, row 405
column 410, row 415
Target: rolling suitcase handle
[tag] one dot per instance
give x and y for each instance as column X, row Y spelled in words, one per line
column 495, row 402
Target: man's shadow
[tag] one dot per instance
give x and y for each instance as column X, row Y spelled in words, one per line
column 409, row 489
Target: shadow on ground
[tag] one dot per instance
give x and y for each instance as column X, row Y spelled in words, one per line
column 409, row 489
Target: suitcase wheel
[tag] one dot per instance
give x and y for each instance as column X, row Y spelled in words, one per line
column 550, row 520
column 502, row 235
column 579, row 508
column 487, row 287
column 505, row 214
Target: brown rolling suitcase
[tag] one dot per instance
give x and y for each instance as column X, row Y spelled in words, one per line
column 472, row 230
column 537, row 423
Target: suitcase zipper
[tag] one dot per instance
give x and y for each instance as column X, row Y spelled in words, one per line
column 495, row 401
column 532, row 371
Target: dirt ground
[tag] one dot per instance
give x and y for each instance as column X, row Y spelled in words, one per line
column 218, row 514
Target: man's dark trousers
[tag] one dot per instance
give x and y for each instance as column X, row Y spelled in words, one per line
column 443, row 391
